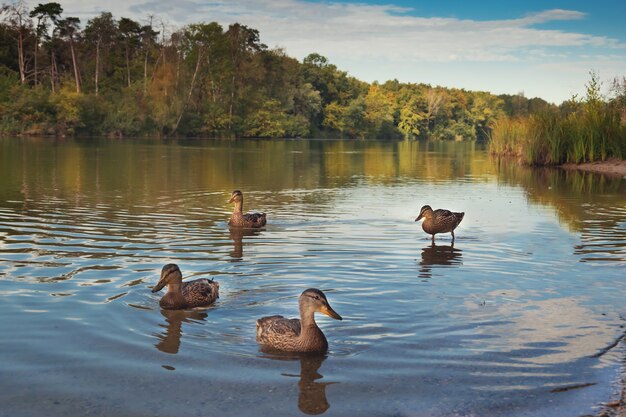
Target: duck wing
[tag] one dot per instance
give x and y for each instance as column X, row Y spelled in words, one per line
column 276, row 327
column 256, row 219
column 445, row 220
column 200, row 292
column 442, row 213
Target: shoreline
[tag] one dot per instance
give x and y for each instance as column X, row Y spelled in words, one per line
column 613, row 167
column 617, row 407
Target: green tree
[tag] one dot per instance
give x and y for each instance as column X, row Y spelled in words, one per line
column 69, row 28
column 43, row 13
column 17, row 17
column 244, row 42
column 129, row 32
column 100, row 33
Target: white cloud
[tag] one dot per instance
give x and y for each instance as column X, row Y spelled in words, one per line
column 373, row 34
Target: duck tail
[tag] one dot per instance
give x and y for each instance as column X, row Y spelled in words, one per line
column 459, row 216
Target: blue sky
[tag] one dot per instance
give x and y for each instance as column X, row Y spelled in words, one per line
column 539, row 48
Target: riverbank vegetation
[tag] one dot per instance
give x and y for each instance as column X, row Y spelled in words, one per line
column 119, row 77
column 589, row 129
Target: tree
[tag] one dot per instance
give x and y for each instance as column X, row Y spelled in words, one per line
column 129, row 31
column 16, row 15
column 411, row 120
column 379, row 109
column 484, row 109
column 334, row 115
column 43, row 13
column 69, row 29
column 243, row 42
column 267, row 122
column 148, row 41
column 100, row 32
column 307, row 101
column 197, row 43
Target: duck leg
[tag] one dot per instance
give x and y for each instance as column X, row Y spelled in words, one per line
column 452, row 236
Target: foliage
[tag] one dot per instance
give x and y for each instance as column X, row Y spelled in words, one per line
column 121, row 77
column 580, row 131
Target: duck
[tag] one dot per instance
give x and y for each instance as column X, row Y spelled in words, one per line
column 297, row 335
column 182, row 295
column 239, row 219
column 439, row 221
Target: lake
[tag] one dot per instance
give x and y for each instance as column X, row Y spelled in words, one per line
column 520, row 317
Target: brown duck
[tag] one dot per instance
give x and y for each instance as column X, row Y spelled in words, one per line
column 239, row 219
column 297, row 335
column 182, row 295
column 439, row 221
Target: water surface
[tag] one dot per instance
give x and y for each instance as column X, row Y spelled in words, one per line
column 516, row 318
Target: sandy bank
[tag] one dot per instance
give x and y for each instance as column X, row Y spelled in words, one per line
column 613, row 167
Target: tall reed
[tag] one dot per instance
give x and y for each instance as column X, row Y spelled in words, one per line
column 594, row 131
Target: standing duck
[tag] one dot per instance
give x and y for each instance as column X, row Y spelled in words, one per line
column 239, row 219
column 439, row 221
column 297, row 335
column 182, row 295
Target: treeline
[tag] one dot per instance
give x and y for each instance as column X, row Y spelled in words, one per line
column 580, row 130
column 121, row 77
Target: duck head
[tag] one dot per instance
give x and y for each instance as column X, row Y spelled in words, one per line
column 313, row 300
column 169, row 274
column 425, row 211
column 236, row 196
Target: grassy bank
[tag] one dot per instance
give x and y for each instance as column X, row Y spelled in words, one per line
column 582, row 131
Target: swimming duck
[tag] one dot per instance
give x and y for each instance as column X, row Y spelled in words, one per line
column 439, row 221
column 239, row 219
column 297, row 335
column 181, row 295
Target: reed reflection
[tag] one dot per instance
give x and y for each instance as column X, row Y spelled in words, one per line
column 169, row 340
column 445, row 255
column 311, row 393
column 236, row 235
column 593, row 205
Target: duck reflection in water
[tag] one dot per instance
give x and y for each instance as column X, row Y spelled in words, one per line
column 311, row 393
column 169, row 340
column 444, row 255
column 236, row 235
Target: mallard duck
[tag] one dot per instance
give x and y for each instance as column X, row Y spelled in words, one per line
column 439, row 221
column 181, row 295
column 297, row 335
column 239, row 219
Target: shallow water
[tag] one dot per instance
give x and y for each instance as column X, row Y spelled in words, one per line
column 516, row 318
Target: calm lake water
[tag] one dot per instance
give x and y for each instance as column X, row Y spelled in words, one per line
column 517, row 318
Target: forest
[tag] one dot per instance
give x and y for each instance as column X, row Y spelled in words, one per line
column 120, row 77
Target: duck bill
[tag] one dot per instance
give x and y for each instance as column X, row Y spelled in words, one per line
column 231, row 199
column 418, row 218
column 158, row 286
column 328, row 310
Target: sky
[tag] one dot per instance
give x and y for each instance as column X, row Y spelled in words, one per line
column 539, row 48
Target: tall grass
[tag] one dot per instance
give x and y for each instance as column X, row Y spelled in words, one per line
column 593, row 132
